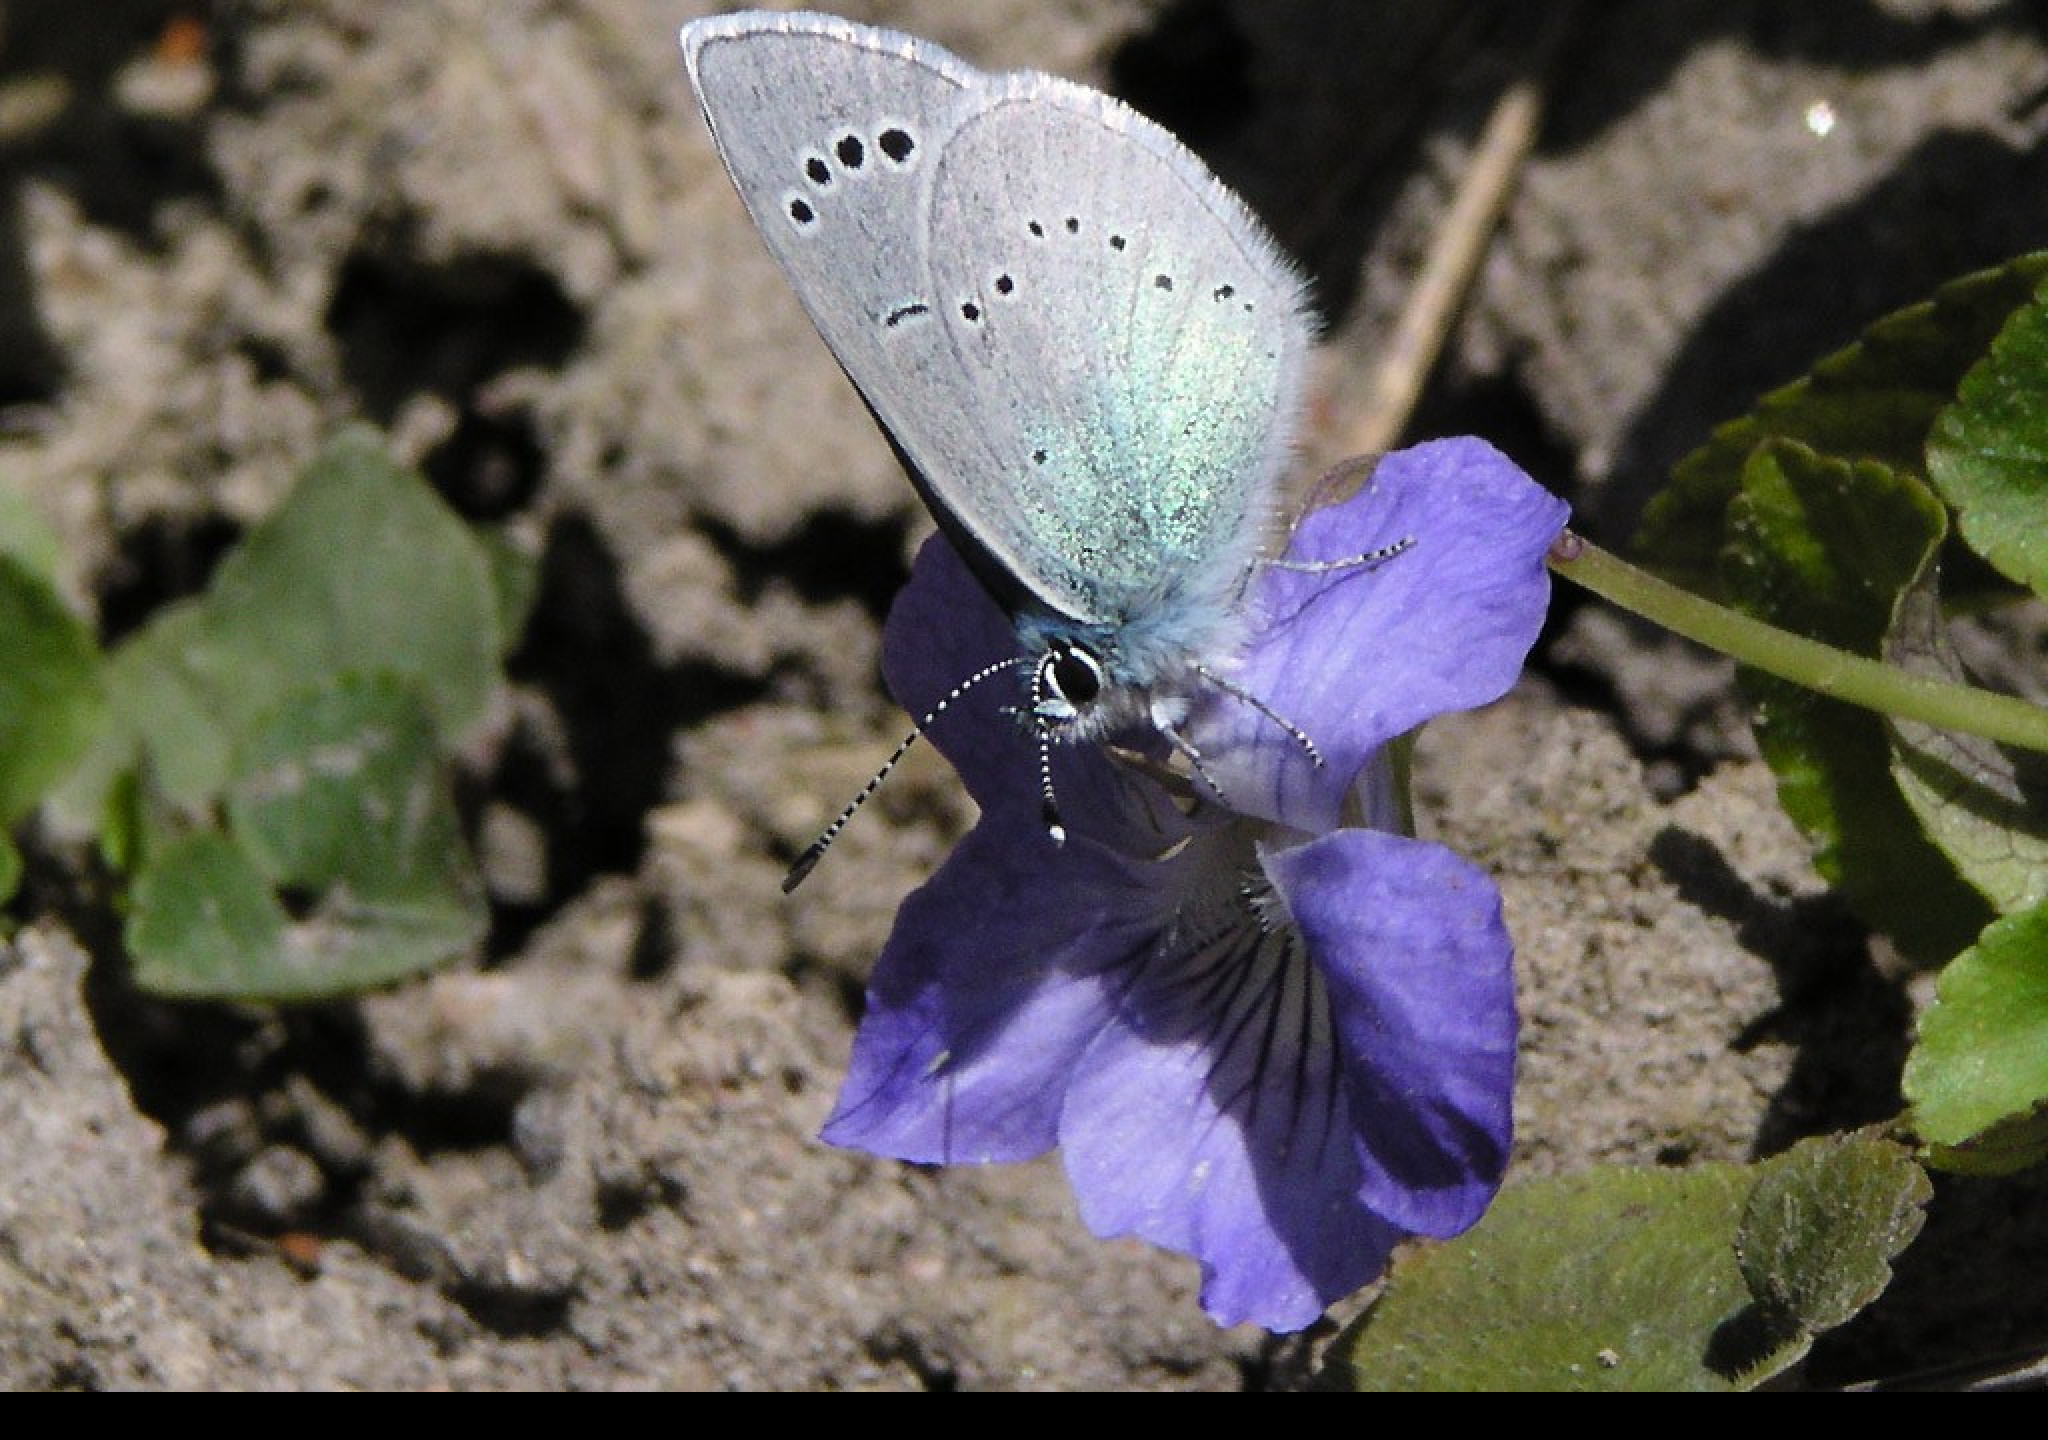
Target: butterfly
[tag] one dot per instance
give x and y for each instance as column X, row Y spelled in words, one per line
column 1086, row 352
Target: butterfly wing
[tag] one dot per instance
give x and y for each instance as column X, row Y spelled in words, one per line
column 1083, row 347
column 1136, row 362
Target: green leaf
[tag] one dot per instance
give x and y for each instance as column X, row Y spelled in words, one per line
column 52, row 700
column 1607, row 1280
column 340, row 796
column 515, row 580
column 345, row 785
column 124, row 832
column 1989, row 452
column 10, row 870
column 1821, row 1227
column 362, row 570
column 1976, row 800
column 203, row 920
column 26, row 537
column 1978, row 1076
column 1618, row 1279
column 1876, row 400
column 168, row 718
column 1829, row 550
column 2005, row 1148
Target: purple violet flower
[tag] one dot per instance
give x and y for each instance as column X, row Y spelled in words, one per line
column 1273, row 1034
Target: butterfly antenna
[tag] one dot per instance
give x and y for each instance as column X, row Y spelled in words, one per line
column 1049, row 805
column 1049, row 810
column 808, row 861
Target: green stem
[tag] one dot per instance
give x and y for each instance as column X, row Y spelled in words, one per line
column 1818, row 667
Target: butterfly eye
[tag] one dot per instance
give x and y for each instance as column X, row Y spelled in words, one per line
column 1072, row 674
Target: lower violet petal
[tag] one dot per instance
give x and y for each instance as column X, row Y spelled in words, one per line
column 1410, row 941
column 1211, row 1118
column 988, row 990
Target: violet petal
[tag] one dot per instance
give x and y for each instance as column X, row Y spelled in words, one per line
column 1410, row 940
column 1213, row 1118
column 1444, row 625
column 989, row 989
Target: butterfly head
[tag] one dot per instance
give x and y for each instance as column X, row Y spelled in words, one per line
column 1091, row 682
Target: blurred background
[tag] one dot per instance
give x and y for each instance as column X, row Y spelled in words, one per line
column 584, row 1156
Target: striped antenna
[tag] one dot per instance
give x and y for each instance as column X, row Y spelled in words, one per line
column 1049, row 804
column 808, row 861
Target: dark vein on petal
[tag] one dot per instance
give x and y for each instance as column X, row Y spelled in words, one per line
column 1312, row 1001
column 884, row 1082
column 1200, row 990
column 1128, row 983
column 1258, row 1001
column 1273, row 1010
column 1217, row 1000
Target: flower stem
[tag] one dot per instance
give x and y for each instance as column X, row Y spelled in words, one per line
column 1820, row 668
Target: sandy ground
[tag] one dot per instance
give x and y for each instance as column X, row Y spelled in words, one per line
column 587, row 1159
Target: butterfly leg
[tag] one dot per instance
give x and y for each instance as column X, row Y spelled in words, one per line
column 1238, row 692
column 1363, row 560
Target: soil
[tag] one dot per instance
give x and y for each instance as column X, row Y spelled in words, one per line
column 587, row 1158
